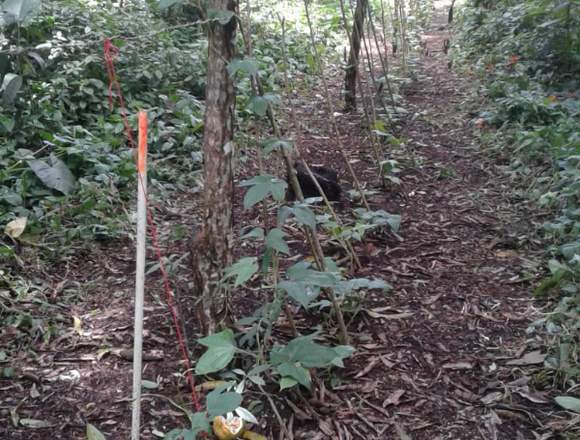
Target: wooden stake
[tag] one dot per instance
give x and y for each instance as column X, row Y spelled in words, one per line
column 139, row 273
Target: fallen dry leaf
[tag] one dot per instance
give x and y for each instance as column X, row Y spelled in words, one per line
column 488, row 399
column 376, row 315
column 531, row 358
column 394, row 399
column 458, row 366
column 16, row 227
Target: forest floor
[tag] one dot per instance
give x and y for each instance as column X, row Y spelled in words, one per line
column 444, row 355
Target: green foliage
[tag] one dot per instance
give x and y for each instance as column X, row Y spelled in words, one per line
column 63, row 150
column 542, row 35
column 528, row 54
column 263, row 186
column 220, row 352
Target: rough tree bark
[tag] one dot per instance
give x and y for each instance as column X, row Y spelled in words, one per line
column 211, row 250
column 352, row 68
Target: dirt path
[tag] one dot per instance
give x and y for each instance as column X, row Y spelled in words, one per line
column 443, row 360
column 437, row 358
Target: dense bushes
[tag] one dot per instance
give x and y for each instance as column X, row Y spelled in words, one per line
column 528, row 55
column 55, row 110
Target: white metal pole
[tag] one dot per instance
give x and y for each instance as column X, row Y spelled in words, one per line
column 139, row 273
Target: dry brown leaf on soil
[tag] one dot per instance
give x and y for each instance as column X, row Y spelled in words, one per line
column 368, row 368
column 401, row 432
column 531, row 358
column 532, row 397
column 326, row 427
column 434, row 298
column 496, row 396
column 458, row 366
column 394, row 316
column 300, row 414
column 394, row 399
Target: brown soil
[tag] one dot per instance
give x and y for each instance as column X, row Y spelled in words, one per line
column 441, row 356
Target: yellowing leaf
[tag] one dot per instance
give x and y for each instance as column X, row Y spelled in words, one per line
column 77, row 325
column 16, row 227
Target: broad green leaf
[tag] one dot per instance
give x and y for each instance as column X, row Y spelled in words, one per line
column 302, row 293
column 224, row 338
column 258, row 105
column 569, row 403
column 199, row 423
column 219, row 403
column 305, row 216
column 93, row 433
column 308, row 353
column 254, row 233
column 342, row 352
column 243, row 270
column 275, row 240
column 283, row 213
column 287, row 382
column 569, row 250
column 296, row 372
column 11, row 84
column 180, row 434
column 261, row 187
column 55, row 175
column 7, row 122
column 380, row 218
column 557, row 268
column 247, row 65
column 301, row 272
column 220, row 352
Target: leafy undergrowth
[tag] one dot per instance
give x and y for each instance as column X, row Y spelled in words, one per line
column 437, row 311
column 527, row 56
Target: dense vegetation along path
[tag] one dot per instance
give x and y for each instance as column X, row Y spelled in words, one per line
column 443, row 355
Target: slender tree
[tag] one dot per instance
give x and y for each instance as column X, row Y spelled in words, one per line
column 352, row 67
column 211, row 250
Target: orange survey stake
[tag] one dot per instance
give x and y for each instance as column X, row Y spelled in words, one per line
column 142, row 153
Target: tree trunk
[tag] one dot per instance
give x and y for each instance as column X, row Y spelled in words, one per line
column 352, row 68
column 211, row 250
